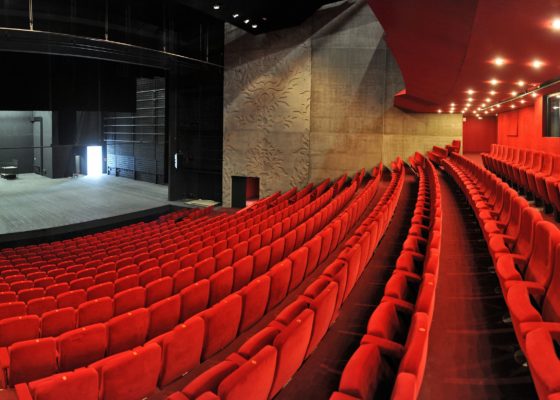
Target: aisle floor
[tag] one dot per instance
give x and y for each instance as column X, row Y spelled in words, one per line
column 471, row 349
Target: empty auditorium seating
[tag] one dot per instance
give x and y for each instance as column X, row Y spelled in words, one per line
column 534, row 173
column 298, row 328
column 393, row 351
column 526, row 251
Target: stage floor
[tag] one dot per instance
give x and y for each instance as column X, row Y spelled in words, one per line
column 33, row 202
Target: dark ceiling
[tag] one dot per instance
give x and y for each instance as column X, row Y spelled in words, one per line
column 259, row 16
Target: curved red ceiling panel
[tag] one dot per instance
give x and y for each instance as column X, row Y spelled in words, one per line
column 446, row 47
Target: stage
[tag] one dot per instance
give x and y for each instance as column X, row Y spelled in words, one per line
column 34, row 204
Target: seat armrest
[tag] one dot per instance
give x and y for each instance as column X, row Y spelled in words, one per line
column 22, row 392
column 402, row 306
column 386, row 347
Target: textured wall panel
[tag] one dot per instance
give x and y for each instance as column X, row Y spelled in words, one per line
column 315, row 101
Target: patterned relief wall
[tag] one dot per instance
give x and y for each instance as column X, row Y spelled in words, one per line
column 315, row 101
column 266, row 110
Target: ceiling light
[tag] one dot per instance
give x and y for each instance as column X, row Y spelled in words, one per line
column 470, row 99
column 493, row 82
column 514, row 93
column 470, row 91
column 533, row 95
column 520, row 83
column 216, row 6
column 498, row 105
column 522, row 101
column 492, row 92
column 254, row 26
column 247, row 21
column 512, row 106
column 483, row 105
column 235, row 15
column 537, row 64
column 485, row 112
column 452, row 104
column 556, row 24
column 439, row 111
column 488, row 99
column 499, row 61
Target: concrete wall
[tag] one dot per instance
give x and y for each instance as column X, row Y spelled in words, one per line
column 314, row 101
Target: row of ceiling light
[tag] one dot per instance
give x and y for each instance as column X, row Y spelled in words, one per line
column 500, row 61
column 246, row 21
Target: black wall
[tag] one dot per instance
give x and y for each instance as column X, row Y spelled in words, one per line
column 196, row 133
column 16, row 139
column 77, row 72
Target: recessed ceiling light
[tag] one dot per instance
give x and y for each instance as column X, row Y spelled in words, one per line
column 235, row 15
column 470, row 91
column 216, row 7
column 488, row 99
column 493, row 82
column 498, row 105
column 537, row 64
column 254, row 26
column 512, row 106
column 485, row 112
column 470, row 99
column 247, row 21
column 533, row 95
column 492, row 92
column 499, row 61
column 520, row 83
column 513, row 93
column 522, row 101
column 439, row 111
column 556, row 24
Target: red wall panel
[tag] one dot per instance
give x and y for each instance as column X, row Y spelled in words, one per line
column 529, row 129
column 479, row 134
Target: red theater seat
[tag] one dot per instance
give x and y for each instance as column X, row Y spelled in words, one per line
column 94, row 311
column 119, row 375
column 28, row 360
column 164, row 315
column 82, row 384
column 181, row 349
column 55, row 322
column 16, row 329
column 80, row 347
column 222, row 324
column 127, row 331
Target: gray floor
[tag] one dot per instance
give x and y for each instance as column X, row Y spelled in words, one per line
column 35, row 202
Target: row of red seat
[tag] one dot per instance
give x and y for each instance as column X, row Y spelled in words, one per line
column 223, row 274
column 437, row 154
column 535, row 173
column 174, row 274
column 268, row 360
column 218, row 243
column 220, row 323
column 526, row 253
column 395, row 346
column 119, row 236
column 92, row 248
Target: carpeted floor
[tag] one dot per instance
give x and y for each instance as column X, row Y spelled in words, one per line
column 471, row 351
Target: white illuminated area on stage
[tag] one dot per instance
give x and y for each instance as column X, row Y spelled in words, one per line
column 94, row 161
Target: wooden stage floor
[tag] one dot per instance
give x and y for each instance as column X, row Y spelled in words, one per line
column 33, row 202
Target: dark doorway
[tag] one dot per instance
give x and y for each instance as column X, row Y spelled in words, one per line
column 244, row 191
